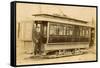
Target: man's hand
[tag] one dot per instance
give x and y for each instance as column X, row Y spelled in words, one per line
column 37, row 41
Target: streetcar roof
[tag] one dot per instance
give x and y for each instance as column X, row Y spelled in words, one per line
column 59, row 16
column 60, row 19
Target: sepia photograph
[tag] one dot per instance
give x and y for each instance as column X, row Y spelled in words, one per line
column 54, row 33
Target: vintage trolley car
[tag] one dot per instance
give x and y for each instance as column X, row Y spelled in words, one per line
column 58, row 35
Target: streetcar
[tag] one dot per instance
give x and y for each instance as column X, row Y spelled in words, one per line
column 60, row 35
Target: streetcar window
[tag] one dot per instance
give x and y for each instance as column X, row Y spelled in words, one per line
column 81, row 31
column 84, row 31
column 38, row 27
column 60, row 30
column 69, row 30
column 56, row 29
column 87, row 32
column 64, row 30
column 52, row 29
column 45, row 30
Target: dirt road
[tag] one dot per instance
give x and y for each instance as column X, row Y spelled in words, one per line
column 85, row 57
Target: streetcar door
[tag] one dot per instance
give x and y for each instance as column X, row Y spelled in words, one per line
column 41, row 36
